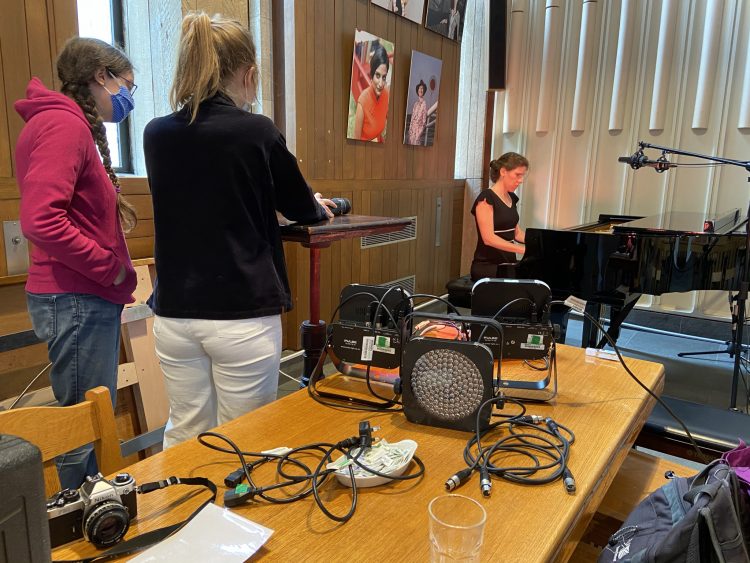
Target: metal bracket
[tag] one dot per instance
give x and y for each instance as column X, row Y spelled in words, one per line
column 16, row 248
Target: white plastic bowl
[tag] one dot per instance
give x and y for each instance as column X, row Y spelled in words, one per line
column 374, row 480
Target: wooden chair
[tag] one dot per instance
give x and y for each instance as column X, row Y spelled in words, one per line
column 56, row 430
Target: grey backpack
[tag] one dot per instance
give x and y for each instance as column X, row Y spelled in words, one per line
column 699, row 519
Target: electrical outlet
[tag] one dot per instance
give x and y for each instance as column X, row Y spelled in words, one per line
column 16, row 248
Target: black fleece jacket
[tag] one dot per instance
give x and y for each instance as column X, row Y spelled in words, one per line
column 215, row 185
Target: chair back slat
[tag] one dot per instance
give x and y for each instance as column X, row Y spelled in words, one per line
column 56, row 430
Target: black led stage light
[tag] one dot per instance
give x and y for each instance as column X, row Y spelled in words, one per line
column 444, row 382
column 522, row 307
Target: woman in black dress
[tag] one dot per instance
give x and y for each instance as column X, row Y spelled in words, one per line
column 500, row 239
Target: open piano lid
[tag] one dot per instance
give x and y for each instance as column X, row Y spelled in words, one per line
column 682, row 223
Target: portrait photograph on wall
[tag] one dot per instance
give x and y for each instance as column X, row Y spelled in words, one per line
column 446, row 17
column 410, row 9
column 370, row 91
column 422, row 100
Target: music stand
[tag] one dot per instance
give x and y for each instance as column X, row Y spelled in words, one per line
column 730, row 346
column 738, row 321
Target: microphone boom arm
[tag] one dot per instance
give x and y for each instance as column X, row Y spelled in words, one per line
column 667, row 150
column 744, row 289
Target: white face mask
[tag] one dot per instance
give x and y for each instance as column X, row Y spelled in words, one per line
column 248, row 105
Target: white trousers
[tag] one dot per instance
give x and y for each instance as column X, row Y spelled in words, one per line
column 215, row 371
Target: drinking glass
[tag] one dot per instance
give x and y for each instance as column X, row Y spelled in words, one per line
column 456, row 528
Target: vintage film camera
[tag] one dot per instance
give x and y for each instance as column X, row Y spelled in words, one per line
column 99, row 511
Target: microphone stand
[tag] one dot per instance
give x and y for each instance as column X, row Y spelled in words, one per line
column 743, row 291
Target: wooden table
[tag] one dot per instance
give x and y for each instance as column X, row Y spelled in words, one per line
column 597, row 400
column 320, row 235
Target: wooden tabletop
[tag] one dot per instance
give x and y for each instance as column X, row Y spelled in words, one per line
column 597, row 400
column 341, row 227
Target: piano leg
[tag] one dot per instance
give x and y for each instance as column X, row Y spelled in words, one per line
column 616, row 318
column 590, row 334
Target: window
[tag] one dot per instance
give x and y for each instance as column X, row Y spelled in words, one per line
column 103, row 20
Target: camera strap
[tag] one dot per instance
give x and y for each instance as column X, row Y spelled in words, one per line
column 152, row 537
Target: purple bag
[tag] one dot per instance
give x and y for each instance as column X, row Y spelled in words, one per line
column 739, row 460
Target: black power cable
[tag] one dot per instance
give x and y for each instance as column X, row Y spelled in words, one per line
column 311, row 479
column 701, row 455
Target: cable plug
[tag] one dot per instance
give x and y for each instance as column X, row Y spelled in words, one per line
column 235, row 478
column 552, row 425
column 238, row 475
column 365, row 434
column 458, row 479
column 532, row 314
column 239, row 495
column 348, row 442
column 485, row 483
column 529, row 419
column 499, row 401
column 568, row 480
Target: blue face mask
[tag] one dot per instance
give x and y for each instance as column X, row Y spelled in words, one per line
column 122, row 104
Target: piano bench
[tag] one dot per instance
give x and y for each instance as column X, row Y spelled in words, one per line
column 459, row 292
column 715, row 430
column 640, row 475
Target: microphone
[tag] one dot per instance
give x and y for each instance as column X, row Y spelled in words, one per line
column 343, row 206
column 639, row 160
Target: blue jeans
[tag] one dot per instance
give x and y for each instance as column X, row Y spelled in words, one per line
column 83, row 340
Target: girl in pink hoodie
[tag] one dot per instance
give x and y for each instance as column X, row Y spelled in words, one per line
column 73, row 213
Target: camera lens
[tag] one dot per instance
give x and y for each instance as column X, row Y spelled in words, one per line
column 106, row 524
column 343, row 206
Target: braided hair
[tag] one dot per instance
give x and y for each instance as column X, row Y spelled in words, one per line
column 77, row 64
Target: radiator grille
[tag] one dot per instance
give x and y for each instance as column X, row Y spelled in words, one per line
column 408, row 283
column 407, row 233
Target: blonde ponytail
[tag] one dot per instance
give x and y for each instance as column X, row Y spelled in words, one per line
column 198, row 72
column 211, row 50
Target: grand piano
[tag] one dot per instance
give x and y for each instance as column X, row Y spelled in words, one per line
column 615, row 260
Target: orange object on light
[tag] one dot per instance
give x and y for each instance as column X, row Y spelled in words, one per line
column 446, row 330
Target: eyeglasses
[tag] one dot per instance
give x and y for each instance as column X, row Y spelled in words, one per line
column 131, row 86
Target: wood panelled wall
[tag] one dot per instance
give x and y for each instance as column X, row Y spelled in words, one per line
column 324, row 42
column 31, row 33
column 390, row 179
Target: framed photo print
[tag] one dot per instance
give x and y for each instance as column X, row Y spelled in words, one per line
column 409, row 9
column 446, row 17
column 422, row 100
column 370, row 90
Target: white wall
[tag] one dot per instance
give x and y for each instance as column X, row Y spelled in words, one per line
column 587, row 79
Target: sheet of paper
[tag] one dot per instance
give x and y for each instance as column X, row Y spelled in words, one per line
column 215, row 534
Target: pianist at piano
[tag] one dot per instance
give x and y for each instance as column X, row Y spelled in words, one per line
column 499, row 236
